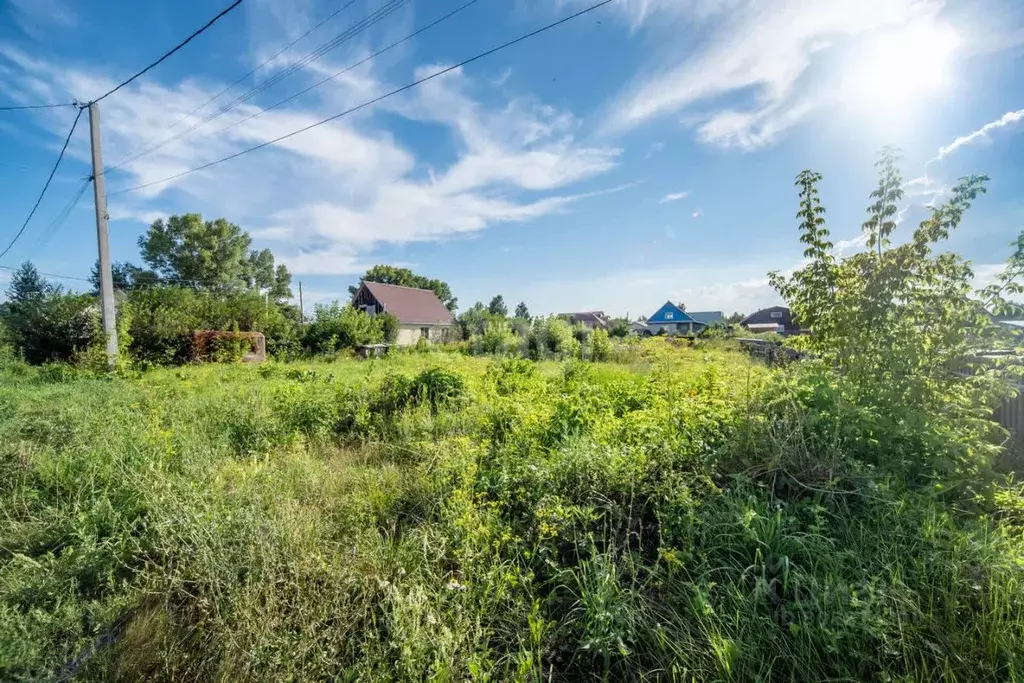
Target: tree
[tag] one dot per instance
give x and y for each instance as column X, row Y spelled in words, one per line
column 44, row 322
column 212, row 255
column 497, row 306
column 620, row 328
column 898, row 326
column 473, row 320
column 126, row 276
column 735, row 318
column 390, row 275
column 522, row 312
column 27, row 285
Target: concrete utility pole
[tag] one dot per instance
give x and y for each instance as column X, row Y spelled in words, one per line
column 302, row 310
column 99, row 187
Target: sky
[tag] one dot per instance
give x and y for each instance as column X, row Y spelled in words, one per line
column 642, row 152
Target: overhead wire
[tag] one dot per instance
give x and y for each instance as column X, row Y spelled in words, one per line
column 58, row 221
column 53, row 275
column 38, row 106
column 45, row 186
column 241, row 79
column 344, row 71
column 174, row 49
column 375, row 17
column 373, row 101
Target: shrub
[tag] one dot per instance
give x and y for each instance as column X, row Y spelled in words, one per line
column 497, row 339
column 54, row 325
column 389, row 326
column 337, row 327
column 600, row 346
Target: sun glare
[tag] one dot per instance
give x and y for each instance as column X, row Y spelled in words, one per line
column 897, row 70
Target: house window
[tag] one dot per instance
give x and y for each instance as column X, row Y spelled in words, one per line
column 776, row 314
column 669, row 316
column 425, row 332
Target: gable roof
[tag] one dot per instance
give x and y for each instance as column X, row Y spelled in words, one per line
column 591, row 317
column 706, row 317
column 764, row 316
column 410, row 305
column 670, row 313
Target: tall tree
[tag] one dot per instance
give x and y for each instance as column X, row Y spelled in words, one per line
column 211, row 255
column 27, row 285
column 126, row 276
column 497, row 306
column 391, row 275
column 522, row 312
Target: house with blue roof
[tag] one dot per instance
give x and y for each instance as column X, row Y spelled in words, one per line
column 674, row 319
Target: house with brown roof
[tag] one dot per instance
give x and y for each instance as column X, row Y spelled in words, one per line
column 421, row 315
column 592, row 320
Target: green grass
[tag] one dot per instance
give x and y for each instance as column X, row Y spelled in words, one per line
column 441, row 517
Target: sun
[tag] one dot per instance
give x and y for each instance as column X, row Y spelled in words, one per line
column 896, row 71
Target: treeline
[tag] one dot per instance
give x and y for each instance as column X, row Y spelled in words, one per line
column 196, row 275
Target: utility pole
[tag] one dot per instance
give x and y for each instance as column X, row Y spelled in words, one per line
column 302, row 310
column 99, row 187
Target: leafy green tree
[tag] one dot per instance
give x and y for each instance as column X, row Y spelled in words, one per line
column 126, row 276
column 473, row 320
column 391, row 275
column 497, row 307
column 389, row 325
column 42, row 321
column 27, row 285
column 336, row 326
column 735, row 318
column 898, row 323
column 522, row 312
column 212, row 255
column 620, row 328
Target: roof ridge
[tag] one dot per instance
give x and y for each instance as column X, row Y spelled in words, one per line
column 387, row 284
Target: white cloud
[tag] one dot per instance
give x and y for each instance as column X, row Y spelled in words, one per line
column 329, row 197
column 1008, row 119
column 673, row 197
column 695, row 214
column 757, row 50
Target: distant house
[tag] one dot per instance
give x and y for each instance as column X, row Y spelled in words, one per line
column 707, row 317
column 592, row 320
column 774, row 319
column 672, row 319
column 421, row 315
column 639, row 327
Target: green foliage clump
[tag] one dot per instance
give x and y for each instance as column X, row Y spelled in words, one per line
column 497, row 339
column 336, row 327
column 600, row 346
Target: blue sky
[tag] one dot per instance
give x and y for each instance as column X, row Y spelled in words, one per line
column 645, row 151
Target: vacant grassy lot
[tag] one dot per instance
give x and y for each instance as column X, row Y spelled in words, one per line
column 684, row 516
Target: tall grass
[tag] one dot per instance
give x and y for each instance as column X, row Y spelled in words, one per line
column 684, row 516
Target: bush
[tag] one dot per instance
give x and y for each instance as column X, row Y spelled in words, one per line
column 52, row 326
column 389, row 326
column 498, row 338
column 336, row 327
column 600, row 346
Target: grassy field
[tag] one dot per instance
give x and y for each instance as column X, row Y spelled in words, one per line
column 685, row 515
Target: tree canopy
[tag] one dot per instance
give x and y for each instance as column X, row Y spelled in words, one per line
column 522, row 312
column 392, row 275
column 497, row 306
column 213, row 255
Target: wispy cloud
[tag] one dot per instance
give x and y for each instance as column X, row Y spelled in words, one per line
column 696, row 214
column 673, row 197
column 1008, row 119
column 328, row 198
column 755, row 49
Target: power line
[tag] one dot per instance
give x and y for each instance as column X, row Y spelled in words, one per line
column 46, row 186
column 370, row 20
column 349, row 68
column 53, row 275
column 170, row 52
column 358, row 107
column 38, row 106
column 251, row 73
column 58, row 221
